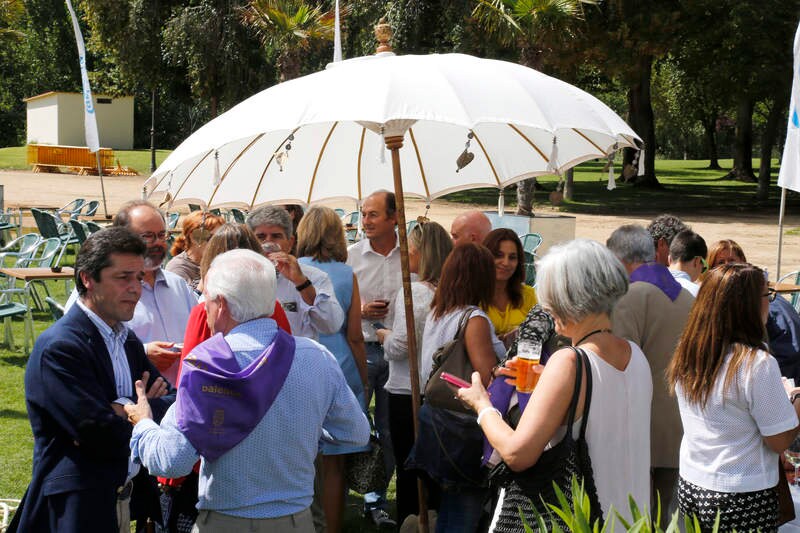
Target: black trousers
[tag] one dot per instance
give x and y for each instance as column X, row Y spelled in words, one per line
column 401, row 429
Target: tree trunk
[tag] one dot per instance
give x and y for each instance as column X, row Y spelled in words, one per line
column 532, row 58
column 743, row 146
column 525, row 190
column 569, row 184
column 640, row 111
column 767, row 142
column 710, row 135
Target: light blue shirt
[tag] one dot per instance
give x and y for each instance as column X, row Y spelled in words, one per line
column 161, row 313
column 271, row 472
column 114, row 338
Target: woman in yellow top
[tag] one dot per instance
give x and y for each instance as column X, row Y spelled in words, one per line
column 512, row 298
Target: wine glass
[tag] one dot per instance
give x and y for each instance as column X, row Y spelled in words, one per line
column 792, row 454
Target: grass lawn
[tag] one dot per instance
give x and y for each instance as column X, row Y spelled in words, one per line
column 139, row 160
column 686, row 187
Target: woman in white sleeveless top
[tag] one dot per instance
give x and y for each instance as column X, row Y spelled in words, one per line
column 578, row 283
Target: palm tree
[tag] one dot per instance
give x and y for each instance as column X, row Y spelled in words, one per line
column 535, row 27
column 289, row 27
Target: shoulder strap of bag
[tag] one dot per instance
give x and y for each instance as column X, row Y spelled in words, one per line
column 588, row 402
column 462, row 323
column 573, row 404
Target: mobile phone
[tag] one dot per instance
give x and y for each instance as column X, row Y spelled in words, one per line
column 455, row 380
column 378, row 325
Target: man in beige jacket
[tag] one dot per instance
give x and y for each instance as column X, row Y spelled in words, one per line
column 653, row 314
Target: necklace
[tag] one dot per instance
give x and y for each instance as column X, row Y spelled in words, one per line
column 595, row 332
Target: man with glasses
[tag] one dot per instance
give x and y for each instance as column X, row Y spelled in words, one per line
column 687, row 259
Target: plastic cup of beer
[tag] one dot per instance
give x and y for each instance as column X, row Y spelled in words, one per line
column 528, row 353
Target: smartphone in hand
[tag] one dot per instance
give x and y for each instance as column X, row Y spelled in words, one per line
column 455, row 380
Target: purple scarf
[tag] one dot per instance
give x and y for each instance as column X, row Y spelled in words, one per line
column 500, row 394
column 218, row 403
column 658, row 275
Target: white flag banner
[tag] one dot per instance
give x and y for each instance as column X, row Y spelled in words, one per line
column 89, row 119
column 789, row 175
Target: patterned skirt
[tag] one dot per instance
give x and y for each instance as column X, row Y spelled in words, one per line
column 515, row 500
column 742, row 511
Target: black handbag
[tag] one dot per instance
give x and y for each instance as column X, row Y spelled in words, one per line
column 452, row 358
column 533, row 488
column 366, row 471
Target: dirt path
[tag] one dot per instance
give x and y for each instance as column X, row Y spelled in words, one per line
column 756, row 233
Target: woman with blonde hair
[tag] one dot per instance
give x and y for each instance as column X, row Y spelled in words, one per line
column 429, row 245
column 321, row 243
column 187, row 250
column 736, row 417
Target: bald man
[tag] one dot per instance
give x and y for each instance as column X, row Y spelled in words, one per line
column 472, row 226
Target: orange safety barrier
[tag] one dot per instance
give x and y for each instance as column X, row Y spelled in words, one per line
column 48, row 158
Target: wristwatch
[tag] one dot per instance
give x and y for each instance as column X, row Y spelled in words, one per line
column 303, row 286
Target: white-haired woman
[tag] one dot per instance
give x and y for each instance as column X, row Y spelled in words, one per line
column 579, row 283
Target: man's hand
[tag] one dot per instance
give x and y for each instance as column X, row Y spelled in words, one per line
column 162, row 354
column 287, row 266
column 119, row 410
column 159, row 387
column 141, row 409
column 375, row 310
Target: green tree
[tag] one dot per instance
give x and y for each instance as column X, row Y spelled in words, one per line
column 220, row 57
column 538, row 29
column 12, row 13
column 288, row 28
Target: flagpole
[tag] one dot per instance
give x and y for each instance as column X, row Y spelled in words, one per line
column 102, row 185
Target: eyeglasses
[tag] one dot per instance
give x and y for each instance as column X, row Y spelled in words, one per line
column 149, row 236
column 704, row 263
column 771, row 294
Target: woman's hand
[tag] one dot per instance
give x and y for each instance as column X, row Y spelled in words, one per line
column 475, row 396
column 382, row 334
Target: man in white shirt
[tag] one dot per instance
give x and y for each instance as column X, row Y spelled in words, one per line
column 687, row 259
column 306, row 293
column 472, row 226
column 376, row 264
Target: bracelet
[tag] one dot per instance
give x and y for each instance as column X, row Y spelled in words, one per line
column 794, row 397
column 487, row 409
column 303, row 286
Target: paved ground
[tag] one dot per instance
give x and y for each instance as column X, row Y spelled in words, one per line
column 756, row 233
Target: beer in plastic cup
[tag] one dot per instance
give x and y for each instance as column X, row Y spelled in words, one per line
column 528, row 353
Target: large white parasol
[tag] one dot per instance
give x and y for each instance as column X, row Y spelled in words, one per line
column 322, row 136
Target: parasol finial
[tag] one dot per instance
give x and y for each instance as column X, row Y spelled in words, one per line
column 383, row 33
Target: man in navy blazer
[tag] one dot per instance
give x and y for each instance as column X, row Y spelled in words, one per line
column 79, row 376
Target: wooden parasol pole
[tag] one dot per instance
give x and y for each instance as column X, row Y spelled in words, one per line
column 394, row 144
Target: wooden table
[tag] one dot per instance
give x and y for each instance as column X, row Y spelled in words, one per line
column 784, row 287
column 30, row 275
column 35, row 274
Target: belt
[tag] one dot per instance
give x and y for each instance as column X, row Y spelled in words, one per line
column 124, row 492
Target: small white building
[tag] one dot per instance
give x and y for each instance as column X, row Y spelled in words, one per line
column 57, row 118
